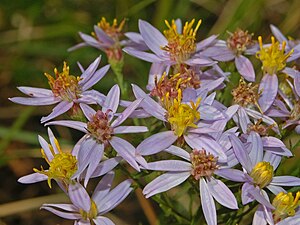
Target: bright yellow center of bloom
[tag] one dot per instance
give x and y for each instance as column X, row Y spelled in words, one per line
column 64, row 84
column 112, row 30
column 181, row 45
column 61, row 167
column 262, row 174
column 180, row 115
column 285, row 205
column 273, row 58
column 91, row 214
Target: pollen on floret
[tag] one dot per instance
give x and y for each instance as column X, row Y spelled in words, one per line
column 273, row 58
column 203, row 163
column 262, row 174
column 285, row 205
column 239, row 40
column 181, row 115
column 181, row 44
column 113, row 30
column 260, row 128
column 64, row 85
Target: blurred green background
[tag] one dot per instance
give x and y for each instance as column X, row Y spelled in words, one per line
column 34, row 38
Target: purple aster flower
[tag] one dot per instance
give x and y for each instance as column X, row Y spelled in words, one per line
column 67, row 90
column 200, row 165
column 237, row 44
column 86, row 210
column 100, row 132
column 174, row 47
column 258, row 173
column 62, row 165
column 286, row 211
column 185, row 115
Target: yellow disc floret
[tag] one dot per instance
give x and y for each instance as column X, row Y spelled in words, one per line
column 181, row 45
column 285, row 205
column 91, row 214
column 61, row 167
column 262, row 174
column 273, row 58
column 64, row 85
column 180, row 115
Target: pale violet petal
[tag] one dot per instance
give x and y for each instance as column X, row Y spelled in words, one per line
column 245, row 68
column 207, row 203
column 61, row 108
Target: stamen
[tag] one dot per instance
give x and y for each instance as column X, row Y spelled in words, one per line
column 262, row 174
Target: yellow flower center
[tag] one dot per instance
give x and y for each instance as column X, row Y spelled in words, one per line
column 180, row 115
column 285, row 205
column 262, row 174
column 64, row 84
column 181, row 45
column 61, row 167
column 91, row 214
column 273, row 58
column 112, row 30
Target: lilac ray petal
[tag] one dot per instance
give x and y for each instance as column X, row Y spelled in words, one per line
column 32, row 178
column 169, row 165
column 103, row 187
column 90, row 40
column 294, row 220
column 129, row 129
column 294, row 56
column 273, row 159
column 126, row 113
column 165, row 182
column 149, row 104
column 106, row 166
column 290, row 71
column 246, row 196
column 79, row 196
column 202, row 62
column 286, row 181
column 126, row 150
column 256, row 153
column 92, row 97
column 245, row 68
column 152, row 37
column 222, row 193
column 65, row 207
column 207, row 203
column 81, row 126
column 149, row 57
column 259, row 216
column 257, row 194
column 156, row 70
column 297, row 84
column 115, row 196
column 156, row 143
column 222, row 54
column 244, row 120
column 277, row 33
column 61, row 108
column 98, row 75
column 231, row 174
column 75, row 47
column 101, row 220
column 89, row 72
column 269, row 87
column 275, row 189
column 241, row 153
column 45, row 146
column 174, row 150
column 112, row 99
column 88, row 111
column 202, row 130
column 206, row 42
column 135, row 37
column 210, row 113
column 102, row 36
column 94, row 160
column 36, row 92
column 35, row 101
column 66, row 215
column 212, row 85
column 208, row 144
column 53, row 141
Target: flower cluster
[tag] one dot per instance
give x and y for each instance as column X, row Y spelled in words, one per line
column 211, row 143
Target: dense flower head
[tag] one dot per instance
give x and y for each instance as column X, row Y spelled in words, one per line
column 112, row 30
column 203, row 163
column 262, row 174
column 99, row 127
column 181, row 45
column 181, row 115
column 64, row 85
column 273, row 58
column 245, row 94
column 61, row 167
column 260, row 128
column 239, row 40
column 285, row 205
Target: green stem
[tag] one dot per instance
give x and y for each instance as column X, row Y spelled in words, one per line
column 117, row 68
